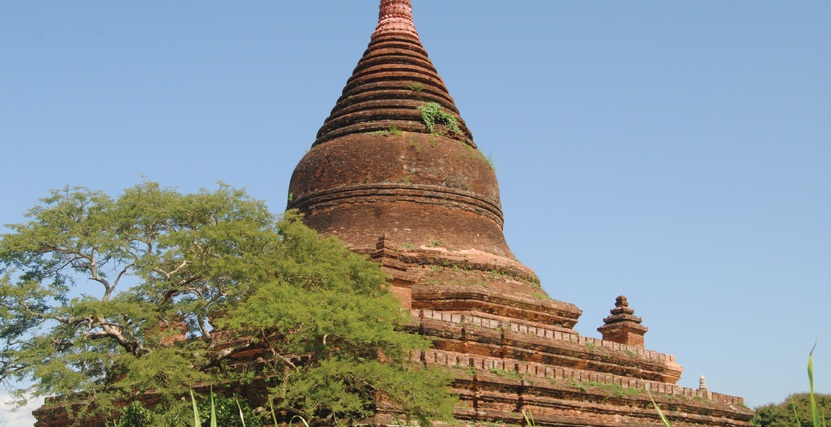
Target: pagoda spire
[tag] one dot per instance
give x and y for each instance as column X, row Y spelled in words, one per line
column 623, row 326
column 395, row 16
column 377, row 169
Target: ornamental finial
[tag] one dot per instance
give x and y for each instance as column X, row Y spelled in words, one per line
column 396, row 16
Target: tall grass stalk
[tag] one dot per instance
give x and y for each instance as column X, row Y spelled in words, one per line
column 241, row 416
column 529, row 418
column 196, row 420
column 302, row 420
column 658, row 409
column 213, row 410
column 819, row 421
column 795, row 413
column 273, row 415
column 291, row 421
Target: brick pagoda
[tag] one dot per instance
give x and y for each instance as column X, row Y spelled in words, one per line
column 394, row 172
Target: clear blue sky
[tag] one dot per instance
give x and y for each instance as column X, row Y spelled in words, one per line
column 678, row 153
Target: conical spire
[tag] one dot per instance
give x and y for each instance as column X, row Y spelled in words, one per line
column 395, row 17
column 393, row 79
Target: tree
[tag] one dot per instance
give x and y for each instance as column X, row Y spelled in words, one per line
column 105, row 299
column 782, row 414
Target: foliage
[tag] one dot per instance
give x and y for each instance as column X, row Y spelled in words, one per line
column 340, row 337
column 782, row 414
column 196, row 417
column 156, row 290
column 817, row 417
column 134, row 415
column 212, row 411
column 227, row 412
column 800, row 409
column 432, row 114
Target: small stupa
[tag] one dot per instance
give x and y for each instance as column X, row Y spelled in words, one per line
column 394, row 173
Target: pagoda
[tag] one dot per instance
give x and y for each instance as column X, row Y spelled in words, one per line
column 395, row 174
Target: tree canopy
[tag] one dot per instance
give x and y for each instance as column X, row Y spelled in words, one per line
column 795, row 407
column 103, row 299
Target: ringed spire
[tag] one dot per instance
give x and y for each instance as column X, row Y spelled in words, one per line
column 395, row 158
column 392, row 81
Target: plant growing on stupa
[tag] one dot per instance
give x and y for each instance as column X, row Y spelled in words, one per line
column 104, row 299
column 432, row 114
column 415, row 86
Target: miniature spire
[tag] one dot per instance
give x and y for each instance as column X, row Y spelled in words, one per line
column 621, row 312
column 395, row 16
column 702, row 383
column 623, row 326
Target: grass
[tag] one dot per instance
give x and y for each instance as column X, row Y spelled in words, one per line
column 416, row 86
column 197, row 420
column 467, row 368
column 529, row 418
column 392, row 131
column 415, row 146
column 817, row 419
column 505, row 373
column 489, row 160
column 658, row 410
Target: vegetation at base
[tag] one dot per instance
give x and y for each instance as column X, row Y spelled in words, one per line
column 432, row 114
column 227, row 412
column 214, row 410
column 158, row 291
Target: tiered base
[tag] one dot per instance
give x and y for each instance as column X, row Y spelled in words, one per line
column 513, row 352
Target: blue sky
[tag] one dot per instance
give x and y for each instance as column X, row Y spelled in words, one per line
column 678, row 153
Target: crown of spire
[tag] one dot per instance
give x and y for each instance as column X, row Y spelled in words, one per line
column 395, row 16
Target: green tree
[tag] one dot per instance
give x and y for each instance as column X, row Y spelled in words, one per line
column 782, row 414
column 104, row 299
